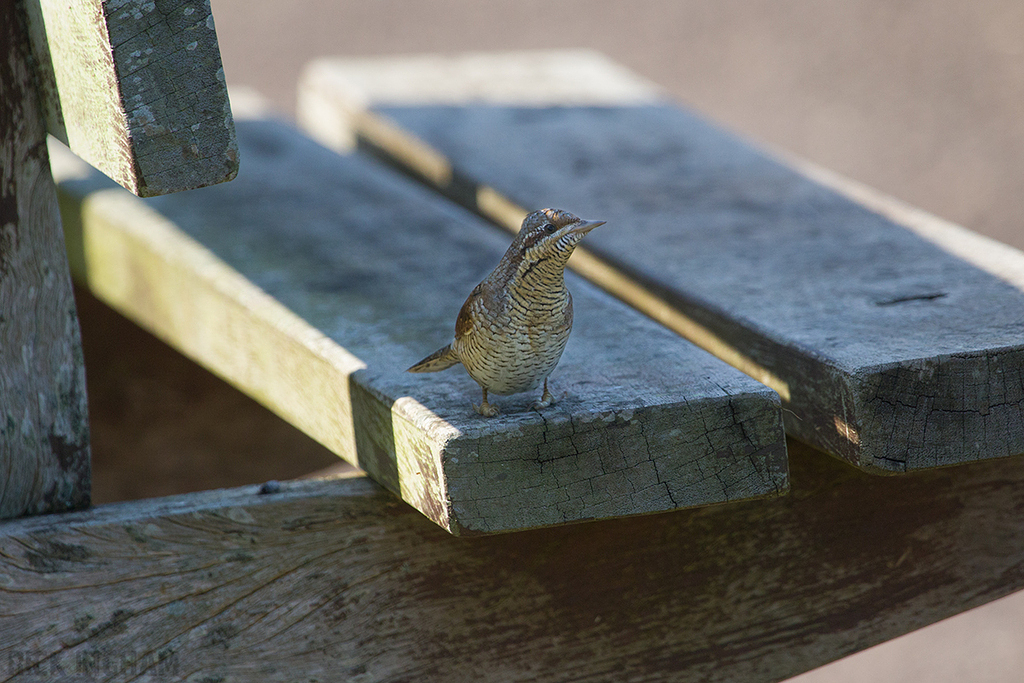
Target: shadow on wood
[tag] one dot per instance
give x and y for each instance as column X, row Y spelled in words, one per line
column 340, row 579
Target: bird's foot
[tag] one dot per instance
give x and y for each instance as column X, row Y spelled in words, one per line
column 545, row 400
column 486, row 409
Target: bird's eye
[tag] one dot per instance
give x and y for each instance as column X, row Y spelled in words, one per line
column 548, row 227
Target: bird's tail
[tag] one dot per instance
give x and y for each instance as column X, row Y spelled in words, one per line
column 442, row 359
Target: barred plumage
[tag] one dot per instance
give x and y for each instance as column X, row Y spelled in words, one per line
column 513, row 328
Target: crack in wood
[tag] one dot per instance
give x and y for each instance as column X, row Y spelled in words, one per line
column 911, row 297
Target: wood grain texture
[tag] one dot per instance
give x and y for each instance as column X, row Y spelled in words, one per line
column 895, row 340
column 44, row 432
column 136, row 88
column 314, row 280
column 330, row 581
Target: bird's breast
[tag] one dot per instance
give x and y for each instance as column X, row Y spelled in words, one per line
column 513, row 345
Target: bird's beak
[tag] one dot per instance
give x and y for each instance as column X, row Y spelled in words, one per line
column 583, row 227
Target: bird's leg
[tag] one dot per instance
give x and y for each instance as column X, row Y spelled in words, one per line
column 485, row 408
column 546, row 399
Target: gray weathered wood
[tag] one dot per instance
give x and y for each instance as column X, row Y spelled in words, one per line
column 136, row 88
column 314, row 280
column 895, row 340
column 340, row 581
column 44, row 433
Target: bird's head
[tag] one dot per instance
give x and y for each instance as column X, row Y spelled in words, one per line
column 551, row 235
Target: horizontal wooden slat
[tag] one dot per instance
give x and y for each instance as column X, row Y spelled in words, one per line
column 340, row 581
column 137, row 89
column 895, row 340
column 314, row 280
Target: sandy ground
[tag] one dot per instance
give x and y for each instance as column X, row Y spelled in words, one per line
column 920, row 99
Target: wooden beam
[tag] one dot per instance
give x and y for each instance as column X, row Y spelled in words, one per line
column 893, row 338
column 314, row 280
column 339, row 580
column 137, row 89
column 44, row 431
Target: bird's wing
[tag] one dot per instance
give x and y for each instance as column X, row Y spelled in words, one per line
column 470, row 311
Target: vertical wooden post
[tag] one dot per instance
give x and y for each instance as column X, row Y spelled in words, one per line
column 44, row 434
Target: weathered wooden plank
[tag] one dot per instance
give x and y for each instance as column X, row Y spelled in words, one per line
column 314, row 280
column 340, row 581
column 895, row 340
column 136, row 88
column 44, row 431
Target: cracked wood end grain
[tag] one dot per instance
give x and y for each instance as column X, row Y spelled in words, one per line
column 44, row 430
column 337, row 580
column 314, row 280
column 896, row 340
column 136, row 89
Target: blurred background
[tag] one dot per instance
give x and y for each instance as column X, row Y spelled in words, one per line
column 921, row 99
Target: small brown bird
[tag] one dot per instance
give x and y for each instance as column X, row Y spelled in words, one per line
column 513, row 327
